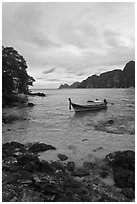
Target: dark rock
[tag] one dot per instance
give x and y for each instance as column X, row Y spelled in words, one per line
column 36, row 94
column 43, row 166
column 29, row 166
column 30, row 104
column 84, row 140
column 125, row 159
column 131, row 179
column 123, row 165
column 106, row 198
column 41, row 94
column 88, row 165
column 70, row 166
column 39, row 147
column 97, row 149
column 103, row 174
column 29, row 195
column 12, row 178
column 80, row 172
column 7, row 119
column 70, row 182
column 121, row 176
column 62, row 157
column 12, row 167
column 57, row 166
column 9, row 148
column 110, row 122
column 12, row 145
column 129, row 192
column 27, row 158
column 25, row 175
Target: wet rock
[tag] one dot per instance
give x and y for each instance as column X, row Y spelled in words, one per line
column 12, row 167
column 27, row 179
column 57, row 166
column 43, row 166
column 121, row 176
column 129, row 192
column 28, row 195
column 84, row 140
column 62, row 157
column 80, row 172
column 12, row 178
column 125, row 159
column 10, row 148
column 9, row 118
column 12, row 145
column 30, row 104
column 123, row 165
column 106, row 198
column 25, row 176
column 131, row 179
column 40, row 147
column 97, row 149
column 70, row 182
column 104, row 174
column 27, row 158
column 88, row 165
column 70, row 166
column 36, row 94
column 110, row 122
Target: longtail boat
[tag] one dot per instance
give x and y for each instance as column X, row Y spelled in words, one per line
column 92, row 107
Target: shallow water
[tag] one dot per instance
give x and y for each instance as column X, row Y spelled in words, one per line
column 83, row 136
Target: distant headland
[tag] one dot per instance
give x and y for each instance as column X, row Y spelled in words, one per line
column 112, row 79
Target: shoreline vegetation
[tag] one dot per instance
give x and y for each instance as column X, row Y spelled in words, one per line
column 15, row 79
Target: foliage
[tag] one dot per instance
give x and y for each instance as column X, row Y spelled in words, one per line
column 14, row 74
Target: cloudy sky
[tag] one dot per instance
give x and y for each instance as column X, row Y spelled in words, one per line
column 67, row 42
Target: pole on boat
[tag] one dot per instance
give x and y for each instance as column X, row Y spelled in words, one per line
column 69, row 103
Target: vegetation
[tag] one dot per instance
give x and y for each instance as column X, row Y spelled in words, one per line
column 14, row 75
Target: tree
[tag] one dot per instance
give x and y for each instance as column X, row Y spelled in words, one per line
column 14, row 74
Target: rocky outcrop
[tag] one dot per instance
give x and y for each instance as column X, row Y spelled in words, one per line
column 64, row 86
column 111, row 79
column 62, row 157
column 26, row 178
column 30, row 104
column 123, row 165
column 36, row 94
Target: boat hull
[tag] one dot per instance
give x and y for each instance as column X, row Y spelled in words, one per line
column 79, row 108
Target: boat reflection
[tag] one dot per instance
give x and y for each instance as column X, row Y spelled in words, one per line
column 81, row 114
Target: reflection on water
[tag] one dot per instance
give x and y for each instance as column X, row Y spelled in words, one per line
column 88, row 113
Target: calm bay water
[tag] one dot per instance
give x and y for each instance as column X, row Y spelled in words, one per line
column 82, row 136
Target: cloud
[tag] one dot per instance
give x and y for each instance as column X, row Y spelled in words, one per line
column 80, row 74
column 49, row 71
column 63, row 41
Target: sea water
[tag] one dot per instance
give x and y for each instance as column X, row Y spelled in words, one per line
column 83, row 136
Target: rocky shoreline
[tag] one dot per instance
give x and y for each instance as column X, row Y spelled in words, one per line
column 27, row 178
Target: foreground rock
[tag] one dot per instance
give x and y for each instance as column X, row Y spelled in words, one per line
column 123, row 165
column 26, row 178
column 36, row 94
